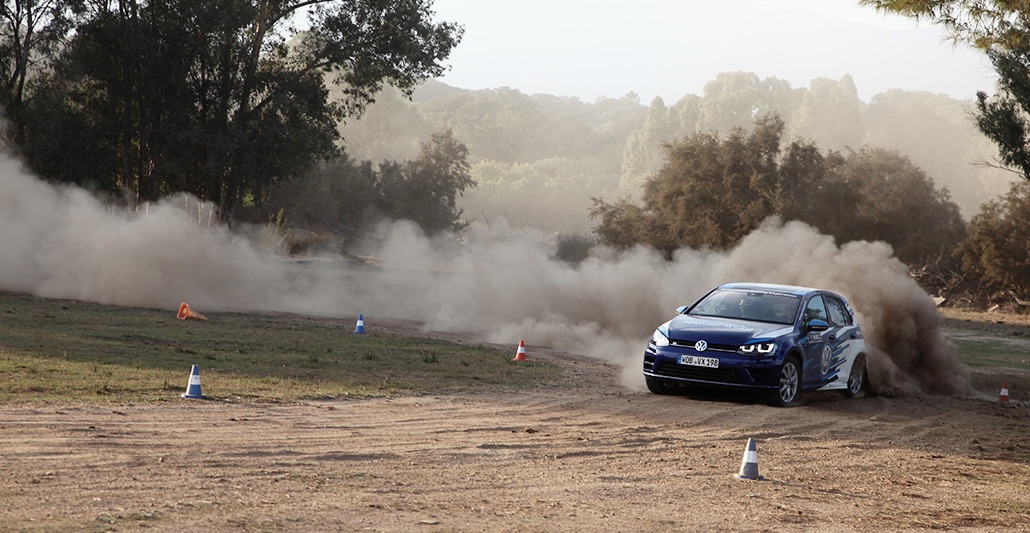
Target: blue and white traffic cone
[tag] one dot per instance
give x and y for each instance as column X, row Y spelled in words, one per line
column 749, row 465
column 360, row 327
column 193, row 389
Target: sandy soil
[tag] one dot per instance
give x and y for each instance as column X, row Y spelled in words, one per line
column 584, row 454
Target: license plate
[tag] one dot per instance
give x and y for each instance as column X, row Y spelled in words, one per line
column 708, row 362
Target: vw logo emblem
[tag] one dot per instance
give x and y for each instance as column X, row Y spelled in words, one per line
column 701, row 345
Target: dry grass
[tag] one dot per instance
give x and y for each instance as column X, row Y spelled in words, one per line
column 58, row 350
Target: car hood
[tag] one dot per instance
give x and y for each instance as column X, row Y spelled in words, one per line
column 722, row 330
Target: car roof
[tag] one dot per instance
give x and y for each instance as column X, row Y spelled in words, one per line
column 771, row 287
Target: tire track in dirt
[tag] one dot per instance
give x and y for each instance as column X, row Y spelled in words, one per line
column 580, row 455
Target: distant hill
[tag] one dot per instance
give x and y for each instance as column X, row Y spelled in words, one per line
column 539, row 159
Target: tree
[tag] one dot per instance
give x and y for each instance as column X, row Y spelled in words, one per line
column 343, row 197
column 712, row 191
column 31, row 34
column 986, row 24
column 731, row 100
column 388, row 129
column 551, row 195
column 507, row 125
column 1003, row 118
column 640, row 156
column 998, row 247
column 495, row 121
column 225, row 98
column 737, row 99
column 425, row 190
column 893, row 200
column 1001, row 28
column 830, row 113
column 337, row 196
column 934, row 131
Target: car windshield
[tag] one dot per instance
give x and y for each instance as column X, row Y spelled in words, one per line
column 756, row 305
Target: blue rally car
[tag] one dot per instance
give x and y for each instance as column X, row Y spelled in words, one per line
column 778, row 338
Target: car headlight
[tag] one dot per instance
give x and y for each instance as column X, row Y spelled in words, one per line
column 659, row 338
column 758, row 348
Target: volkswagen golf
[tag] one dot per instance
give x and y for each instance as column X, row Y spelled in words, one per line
column 779, row 339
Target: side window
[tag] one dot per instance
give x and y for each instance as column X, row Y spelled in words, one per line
column 815, row 310
column 838, row 314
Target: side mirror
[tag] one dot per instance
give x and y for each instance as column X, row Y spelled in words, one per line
column 680, row 309
column 817, row 325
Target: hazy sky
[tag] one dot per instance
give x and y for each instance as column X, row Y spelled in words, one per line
column 670, row 48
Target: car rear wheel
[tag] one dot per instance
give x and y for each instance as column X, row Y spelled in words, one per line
column 856, row 381
column 660, row 386
column 789, row 388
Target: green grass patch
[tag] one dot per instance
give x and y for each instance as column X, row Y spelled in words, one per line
column 997, row 352
column 992, row 353
column 61, row 350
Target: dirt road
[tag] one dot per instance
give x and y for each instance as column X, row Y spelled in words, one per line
column 581, row 455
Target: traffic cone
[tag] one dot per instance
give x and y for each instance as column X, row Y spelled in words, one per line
column 185, row 312
column 193, row 388
column 749, row 465
column 360, row 327
column 1003, row 396
column 520, row 354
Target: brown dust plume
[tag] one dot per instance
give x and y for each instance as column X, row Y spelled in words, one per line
column 499, row 285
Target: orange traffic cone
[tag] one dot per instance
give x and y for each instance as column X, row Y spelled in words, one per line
column 1003, row 396
column 520, row 354
column 749, row 465
column 185, row 312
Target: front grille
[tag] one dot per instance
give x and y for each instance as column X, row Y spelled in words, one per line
column 719, row 375
column 715, row 347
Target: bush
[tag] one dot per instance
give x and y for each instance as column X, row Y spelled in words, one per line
column 998, row 246
column 338, row 199
column 880, row 195
column 713, row 191
column 574, row 248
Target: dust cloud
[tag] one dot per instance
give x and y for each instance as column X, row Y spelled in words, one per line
column 499, row 284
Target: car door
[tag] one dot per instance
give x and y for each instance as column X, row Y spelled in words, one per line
column 815, row 344
column 840, row 341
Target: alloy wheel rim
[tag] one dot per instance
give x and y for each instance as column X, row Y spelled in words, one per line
column 855, row 381
column 788, row 383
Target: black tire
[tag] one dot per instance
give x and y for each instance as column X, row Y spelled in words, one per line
column 660, row 386
column 790, row 384
column 857, row 379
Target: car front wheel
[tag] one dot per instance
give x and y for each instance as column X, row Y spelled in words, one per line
column 789, row 388
column 660, row 386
